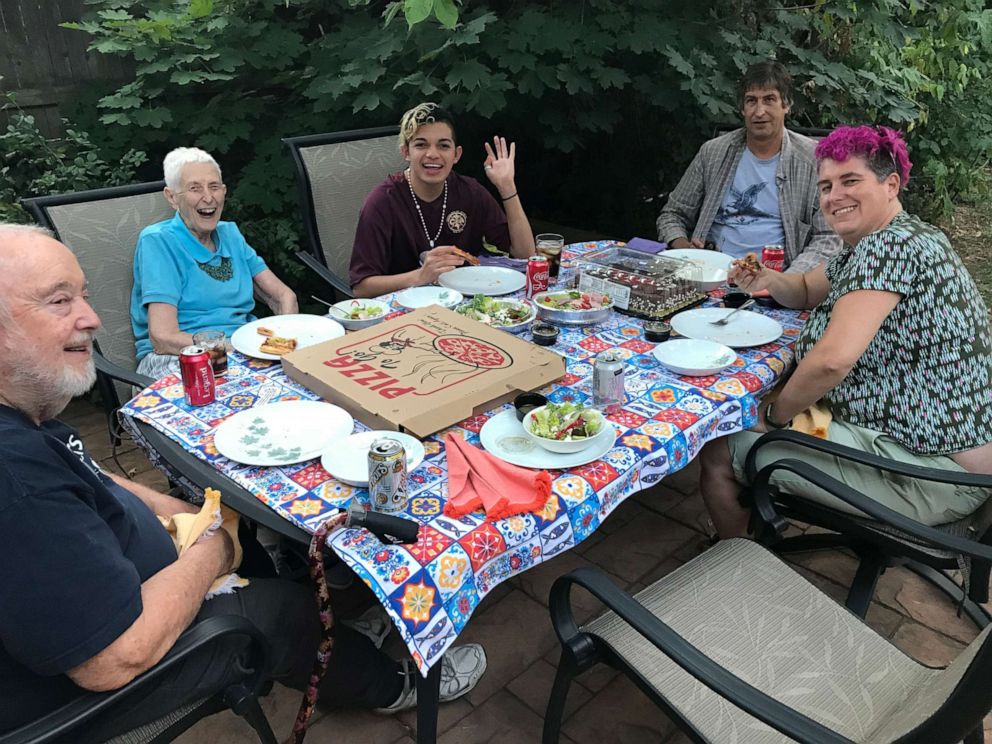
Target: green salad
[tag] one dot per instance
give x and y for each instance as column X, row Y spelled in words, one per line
column 565, row 422
column 495, row 312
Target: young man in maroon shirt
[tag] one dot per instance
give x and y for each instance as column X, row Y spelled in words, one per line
column 413, row 225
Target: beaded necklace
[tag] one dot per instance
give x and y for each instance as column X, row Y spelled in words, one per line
column 423, row 223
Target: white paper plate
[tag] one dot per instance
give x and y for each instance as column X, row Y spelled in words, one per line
column 689, row 356
column 487, row 280
column 306, row 329
column 504, row 436
column 416, row 297
column 348, row 460
column 282, row 433
column 712, row 266
column 744, row 329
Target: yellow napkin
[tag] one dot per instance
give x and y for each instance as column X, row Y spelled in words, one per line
column 185, row 529
column 814, row 421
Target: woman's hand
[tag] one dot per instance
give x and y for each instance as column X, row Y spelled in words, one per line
column 438, row 261
column 751, row 280
column 500, row 168
column 760, row 426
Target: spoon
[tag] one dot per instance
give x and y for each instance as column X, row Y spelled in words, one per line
column 333, row 307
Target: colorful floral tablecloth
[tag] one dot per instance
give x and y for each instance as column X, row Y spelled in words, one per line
column 431, row 588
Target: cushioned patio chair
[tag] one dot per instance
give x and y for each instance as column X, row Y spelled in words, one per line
column 334, row 174
column 101, row 227
column 65, row 723
column 736, row 646
column 882, row 539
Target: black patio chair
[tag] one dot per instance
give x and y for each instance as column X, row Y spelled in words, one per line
column 64, row 724
column 735, row 645
column 334, row 174
column 101, row 228
column 882, row 538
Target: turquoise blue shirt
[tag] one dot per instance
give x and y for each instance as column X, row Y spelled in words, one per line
column 749, row 217
column 211, row 291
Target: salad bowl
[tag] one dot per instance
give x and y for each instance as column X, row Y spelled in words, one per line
column 507, row 315
column 573, row 307
column 544, row 424
column 355, row 315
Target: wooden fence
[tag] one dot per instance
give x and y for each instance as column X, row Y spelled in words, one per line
column 45, row 65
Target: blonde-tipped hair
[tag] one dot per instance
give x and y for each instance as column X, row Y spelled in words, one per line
column 427, row 112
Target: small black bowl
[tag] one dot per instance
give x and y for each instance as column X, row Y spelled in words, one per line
column 657, row 331
column 527, row 402
column 544, row 334
column 735, row 299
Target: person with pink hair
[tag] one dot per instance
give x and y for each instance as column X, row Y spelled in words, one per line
column 896, row 352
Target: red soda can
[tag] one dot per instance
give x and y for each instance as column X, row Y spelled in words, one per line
column 197, row 374
column 537, row 275
column 773, row 257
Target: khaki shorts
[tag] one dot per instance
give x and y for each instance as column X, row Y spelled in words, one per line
column 926, row 502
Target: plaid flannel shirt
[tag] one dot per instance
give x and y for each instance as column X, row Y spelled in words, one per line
column 693, row 205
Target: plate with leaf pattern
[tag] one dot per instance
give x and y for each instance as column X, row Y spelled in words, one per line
column 282, row 433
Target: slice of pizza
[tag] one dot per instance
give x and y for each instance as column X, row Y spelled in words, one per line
column 749, row 263
column 468, row 257
column 278, row 345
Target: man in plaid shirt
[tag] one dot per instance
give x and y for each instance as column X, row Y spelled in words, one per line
column 755, row 186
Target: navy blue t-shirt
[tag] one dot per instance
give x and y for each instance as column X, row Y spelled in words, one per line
column 74, row 550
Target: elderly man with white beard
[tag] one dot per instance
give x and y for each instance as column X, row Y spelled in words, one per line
column 92, row 591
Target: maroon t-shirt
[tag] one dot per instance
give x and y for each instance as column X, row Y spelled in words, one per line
column 390, row 236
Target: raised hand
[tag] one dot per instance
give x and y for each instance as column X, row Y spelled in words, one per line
column 500, row 165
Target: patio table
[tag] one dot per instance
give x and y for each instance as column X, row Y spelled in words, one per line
column 431, row 588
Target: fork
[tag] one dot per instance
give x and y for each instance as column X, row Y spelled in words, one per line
column 726, row 318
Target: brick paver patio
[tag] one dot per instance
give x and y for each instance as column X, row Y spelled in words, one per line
column 648, row 536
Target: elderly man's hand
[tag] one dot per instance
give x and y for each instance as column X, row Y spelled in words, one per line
column 500, row 167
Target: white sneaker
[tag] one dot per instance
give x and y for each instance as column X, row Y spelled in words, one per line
column 461, row 669
column 374, row 624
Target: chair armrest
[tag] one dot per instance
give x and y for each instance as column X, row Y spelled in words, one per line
column 729, row 686
column 854, row 455
column 117, row 372
column 84, row 708
column 324, row 273
column 877, row 511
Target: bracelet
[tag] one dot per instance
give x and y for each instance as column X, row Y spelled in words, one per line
column 771, row 424
column 507, row 198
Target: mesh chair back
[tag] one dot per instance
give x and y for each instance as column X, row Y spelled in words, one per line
column 335, row 172
column 101, row 227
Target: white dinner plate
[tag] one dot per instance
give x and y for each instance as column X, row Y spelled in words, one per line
column 712, row 267
column 504, row 436
column 282, row 433
column 306, row 329
column 416, row 297
column 348, row 459
column 689, row 356
column 487, row 280
column 744, row 329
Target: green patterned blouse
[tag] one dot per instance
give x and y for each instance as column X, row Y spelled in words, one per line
column 926, row 377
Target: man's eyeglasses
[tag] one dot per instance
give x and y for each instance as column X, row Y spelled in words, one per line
column 198, row 189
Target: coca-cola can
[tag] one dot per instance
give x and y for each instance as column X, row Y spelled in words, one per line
column 537, row 275
column 197, row 374
column 607, row 382
column 773, row 257
column 387, row 476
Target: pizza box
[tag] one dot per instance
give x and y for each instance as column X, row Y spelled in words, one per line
column 423, row 371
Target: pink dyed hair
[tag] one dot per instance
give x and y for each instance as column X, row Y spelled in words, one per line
column 883, row 149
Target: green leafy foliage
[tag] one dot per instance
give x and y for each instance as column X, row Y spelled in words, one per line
column 607, row 99
column 33, row 165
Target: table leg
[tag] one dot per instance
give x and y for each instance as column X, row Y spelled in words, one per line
column 428, row 694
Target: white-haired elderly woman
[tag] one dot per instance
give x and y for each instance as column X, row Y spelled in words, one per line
column 193, row 272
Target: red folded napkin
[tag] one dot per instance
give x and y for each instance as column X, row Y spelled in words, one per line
column 477, row 481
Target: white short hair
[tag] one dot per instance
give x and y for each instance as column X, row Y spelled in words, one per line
column 7, row 230
column 179, row 158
